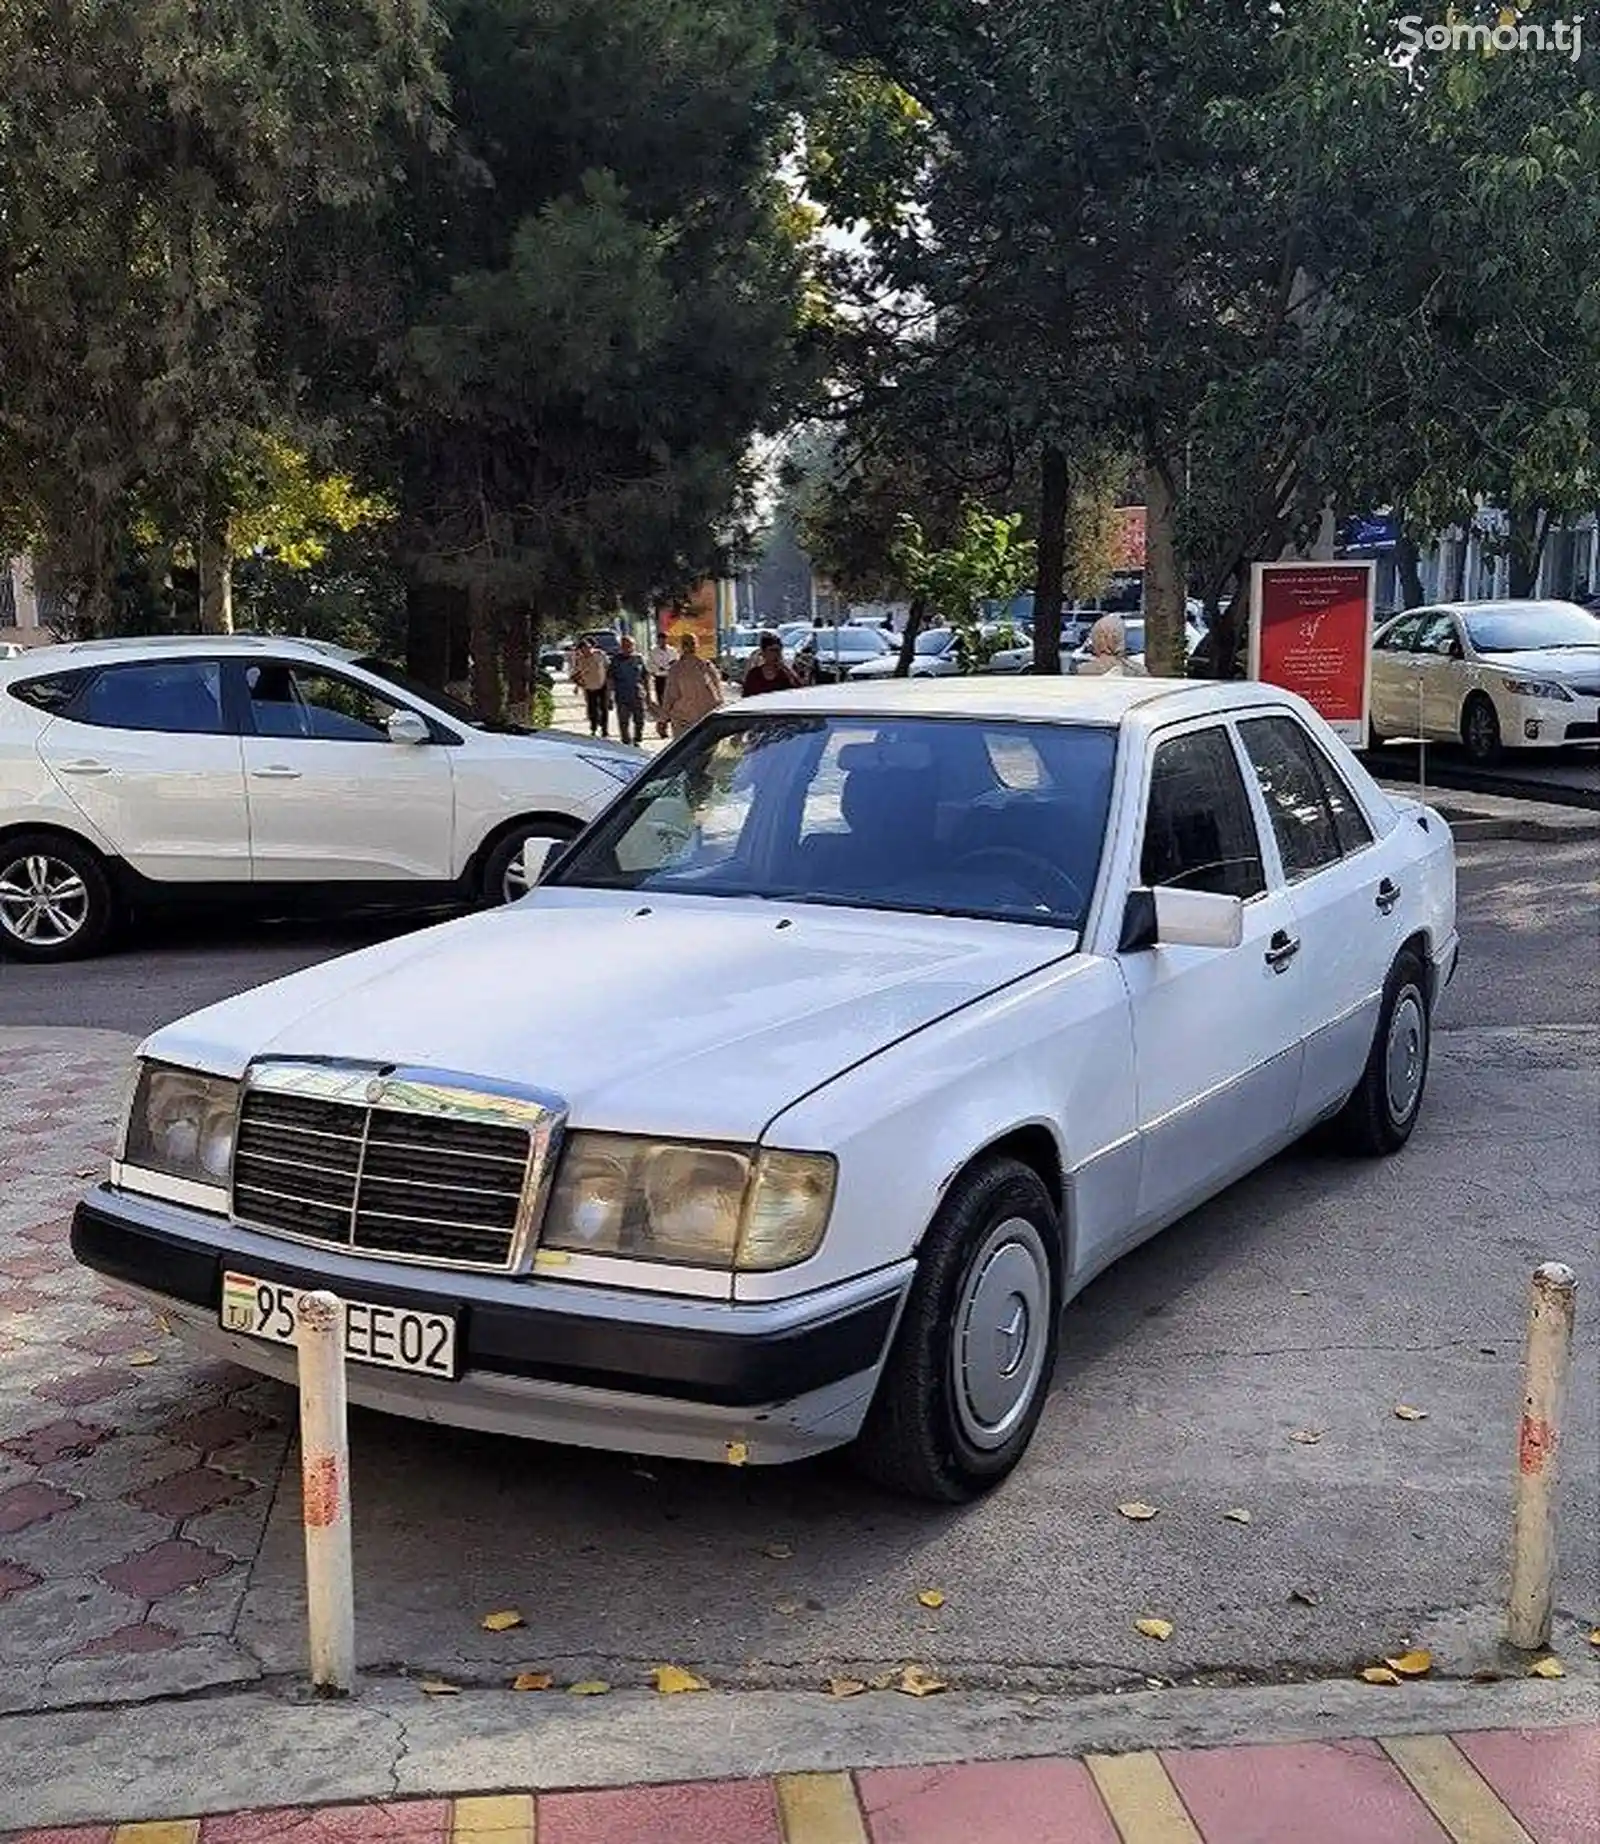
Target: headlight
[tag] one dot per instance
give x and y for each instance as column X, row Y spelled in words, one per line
column 1539, row 688
column 182, row 1124
column 618, row 768
column 700, row 1206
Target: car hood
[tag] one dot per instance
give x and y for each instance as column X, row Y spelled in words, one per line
column 1549, row 662
column 676, row 1016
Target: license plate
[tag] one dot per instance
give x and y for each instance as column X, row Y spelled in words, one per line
column 394, row 1337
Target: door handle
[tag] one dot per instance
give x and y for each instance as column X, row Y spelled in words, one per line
column 1388, row 895
column 86, row 767
column 1281, row 950
column 278, row 771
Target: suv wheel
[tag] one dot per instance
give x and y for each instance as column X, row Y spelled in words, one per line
column 55, row 898
column 505, row 873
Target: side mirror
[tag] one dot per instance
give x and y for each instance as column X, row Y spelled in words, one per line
column 408, row 727
column 1169, row 918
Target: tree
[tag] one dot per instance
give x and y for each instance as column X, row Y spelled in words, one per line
column 988, row 561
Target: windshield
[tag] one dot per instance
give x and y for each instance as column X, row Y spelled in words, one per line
column 948, row 816
column 936, row 642
column 429, row 694
column 1538, row 624
column 852, row 640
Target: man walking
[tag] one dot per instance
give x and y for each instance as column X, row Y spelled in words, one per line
column 660, row 666
column 589, row 675
column 628, row 689
column 693, row 687
column 769, row 674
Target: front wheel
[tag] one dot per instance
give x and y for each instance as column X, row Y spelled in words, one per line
column 967, row 1377
column 56, row 900
column 1379, row 1117
column 1480, row 731
column 506, row 871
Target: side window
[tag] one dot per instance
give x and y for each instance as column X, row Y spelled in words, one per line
column 300, row 701
column 1295, row 792
column 53, row 694
column 1199, row 833
column 1401, row 638
column 1438, row 635
column 180, row 697
column 1349, row 822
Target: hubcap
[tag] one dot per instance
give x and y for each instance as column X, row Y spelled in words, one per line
column 43, row 901
column 1001, row 1333
column 1407, row 1050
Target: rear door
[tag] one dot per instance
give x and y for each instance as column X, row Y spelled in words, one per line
column 148, row 753
column 1346, row 887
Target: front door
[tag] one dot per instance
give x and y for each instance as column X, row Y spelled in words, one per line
column 1438, row 660
column 147, row 754
column 331, row 797
column 1216, row 1030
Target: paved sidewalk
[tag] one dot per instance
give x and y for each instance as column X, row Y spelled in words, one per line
column 1495, row 1787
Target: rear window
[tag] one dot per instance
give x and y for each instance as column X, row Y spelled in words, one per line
column 54, row 693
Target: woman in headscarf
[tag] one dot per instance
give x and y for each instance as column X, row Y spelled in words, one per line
column 1108, row 651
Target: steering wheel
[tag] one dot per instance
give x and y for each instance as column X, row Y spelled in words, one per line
column 1047, row 880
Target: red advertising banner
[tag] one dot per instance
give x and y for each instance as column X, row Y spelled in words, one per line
column 696, row 614
column 1312, row 634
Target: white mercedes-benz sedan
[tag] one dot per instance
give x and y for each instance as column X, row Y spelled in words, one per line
column 812, row 1080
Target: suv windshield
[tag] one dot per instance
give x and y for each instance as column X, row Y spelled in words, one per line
column 948, row 816
column 1537, row 624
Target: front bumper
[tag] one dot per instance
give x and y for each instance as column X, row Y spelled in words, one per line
column 548, row 1360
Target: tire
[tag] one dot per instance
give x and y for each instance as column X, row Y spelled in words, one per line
column 56, row 900
column 1379, row 1117
column 1480, row 731
column 1375, row 738
column 938, row 1428
column 500, row 880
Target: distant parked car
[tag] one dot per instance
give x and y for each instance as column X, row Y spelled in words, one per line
column 933, row 656
column 1133, row 628
column 1490, row 675
column 827, row 654
column 138, row 772
column 10, row 650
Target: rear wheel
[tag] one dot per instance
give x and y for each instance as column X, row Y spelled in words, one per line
column 967, row 1378
column 506, row 871
column 1379, row 1117
column 55, row 898
column 1480, row 731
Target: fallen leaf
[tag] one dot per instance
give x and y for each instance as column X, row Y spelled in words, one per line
column 932, row 1597
column 1154, row 1629
column 532, row 1680
column 916, row 1682
column 1487, row 1676
column 1547, row 1668
column 1307, row 1437
column 1413, row 1664
column 501, row 1622
column 1238, row 1515
column 845, row 1687
column 736, row 1453
column 588, row 1687
column 1304, row 1596
column 88, row 1171
column 790, row 1607
column 1378, row 1674
column 779, row 1552
column 141, row 1358
column 883, row 1681
column 673, row 1680
column 1594, row 1637
column 1403, row 1411
column 165, row 1324
column 438, row 1687
column 1136, row 1511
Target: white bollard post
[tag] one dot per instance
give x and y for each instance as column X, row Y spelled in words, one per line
column 1551, row 1312
column 325, row 1493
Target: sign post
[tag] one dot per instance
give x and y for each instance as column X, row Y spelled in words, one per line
column 1311, row 633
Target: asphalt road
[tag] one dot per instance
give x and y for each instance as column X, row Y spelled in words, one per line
column 1317, row 1295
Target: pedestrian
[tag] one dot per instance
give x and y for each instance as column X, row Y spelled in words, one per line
column 589, row 675
column 693, row 687
column 660, row 663
column 629, row 691
column 1108, row 651
column 769, row 674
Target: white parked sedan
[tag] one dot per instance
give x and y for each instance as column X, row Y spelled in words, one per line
column 134, row 773
column 1489, row 675
column 1010, row 974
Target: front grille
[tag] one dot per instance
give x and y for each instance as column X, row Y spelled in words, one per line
column 387, row 1181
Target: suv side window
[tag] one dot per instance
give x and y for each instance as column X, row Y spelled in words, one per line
column 1199, row 833
column 54, row 694
column 182, row 697
column 1297, row 795
column 300, row 701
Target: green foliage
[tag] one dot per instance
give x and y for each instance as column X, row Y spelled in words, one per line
column 988, row 561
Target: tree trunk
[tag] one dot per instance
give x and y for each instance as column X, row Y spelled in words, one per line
column 1529, row 527
column 1230, row 625
column 488, row 696
column 1408, row 561
column 1052, row 560
column 915, row 617
column 518, row 678
column 216, row 575
column 1165, row 654
column 428, row 610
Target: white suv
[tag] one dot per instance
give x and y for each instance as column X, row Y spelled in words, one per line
column 253, row 767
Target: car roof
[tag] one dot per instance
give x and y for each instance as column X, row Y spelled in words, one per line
column 1509, row 605
column 79, row 653
column 1106, row 699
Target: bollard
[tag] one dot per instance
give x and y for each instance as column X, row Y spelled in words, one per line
column 1544, row 1388
column 325, row 1493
